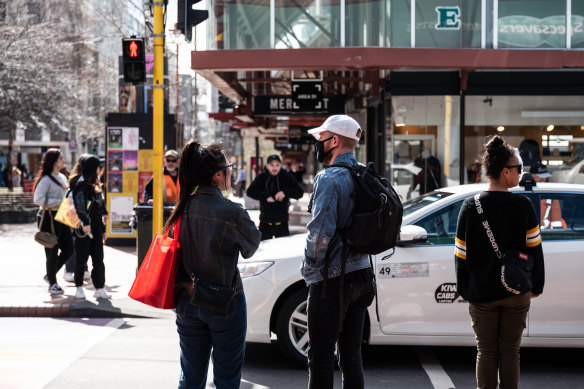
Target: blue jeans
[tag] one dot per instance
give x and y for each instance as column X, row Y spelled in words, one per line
column 323, row 326
column 201, row 330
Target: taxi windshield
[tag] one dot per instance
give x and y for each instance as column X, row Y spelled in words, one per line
column 421, row 201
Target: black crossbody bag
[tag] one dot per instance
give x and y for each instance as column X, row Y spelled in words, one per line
column 516, row 266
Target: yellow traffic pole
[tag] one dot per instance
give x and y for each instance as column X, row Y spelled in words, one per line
column 158, row 118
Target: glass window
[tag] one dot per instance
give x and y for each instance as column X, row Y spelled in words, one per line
column 532, row 23
column 545, row 129
column 441, row 225
column 239, row 24
column 367, row 22
column 561, row 216
column 448, row 23
column 413, row 205
column 426, row 137
column 577, row 24
column 307, row 24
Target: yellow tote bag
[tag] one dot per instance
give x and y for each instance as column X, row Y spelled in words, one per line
column 67, row 214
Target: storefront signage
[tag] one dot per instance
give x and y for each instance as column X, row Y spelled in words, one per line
column 278, row 105
column 448, row 18
column 527, row 31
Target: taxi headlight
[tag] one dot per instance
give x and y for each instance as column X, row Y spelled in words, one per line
column 248, row 269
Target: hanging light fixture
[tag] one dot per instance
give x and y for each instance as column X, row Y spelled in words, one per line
column 550, row 128
column 501, row 128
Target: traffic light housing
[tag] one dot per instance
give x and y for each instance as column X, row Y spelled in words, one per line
column 134, row 61
column 188, row 17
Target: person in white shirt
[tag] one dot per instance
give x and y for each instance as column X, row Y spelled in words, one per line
column 49, row 189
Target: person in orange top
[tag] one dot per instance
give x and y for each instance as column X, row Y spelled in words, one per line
column 551, row 213
column 171, row 183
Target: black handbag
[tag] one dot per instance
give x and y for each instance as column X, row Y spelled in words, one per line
column 215, row 297
column 45, row 238
column 516, row 266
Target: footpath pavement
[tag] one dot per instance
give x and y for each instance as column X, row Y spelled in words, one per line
column 23, row 293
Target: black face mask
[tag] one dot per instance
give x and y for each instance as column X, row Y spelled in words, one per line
column 319, row 148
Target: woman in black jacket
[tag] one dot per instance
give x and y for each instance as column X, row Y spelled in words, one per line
column 213, row 232
column 88, row 198
column 498, row 313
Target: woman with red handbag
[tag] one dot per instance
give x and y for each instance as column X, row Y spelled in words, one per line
column 211, row 314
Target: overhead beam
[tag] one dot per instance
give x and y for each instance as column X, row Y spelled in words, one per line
column 364, row 58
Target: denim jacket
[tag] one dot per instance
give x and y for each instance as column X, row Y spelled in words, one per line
column 213, row 231
column 331, row 209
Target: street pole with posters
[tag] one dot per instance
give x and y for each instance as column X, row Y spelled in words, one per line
column 158, row 118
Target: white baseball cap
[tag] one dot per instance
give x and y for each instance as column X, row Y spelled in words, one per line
column 339, row 124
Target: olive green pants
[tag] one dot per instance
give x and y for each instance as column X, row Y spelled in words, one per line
column 498, row 326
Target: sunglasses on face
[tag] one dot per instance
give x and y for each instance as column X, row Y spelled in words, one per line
column 171, row 160
column 519, row 168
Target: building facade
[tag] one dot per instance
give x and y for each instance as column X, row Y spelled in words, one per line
column 425, row 78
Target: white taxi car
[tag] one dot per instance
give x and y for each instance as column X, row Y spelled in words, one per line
column 418, row 303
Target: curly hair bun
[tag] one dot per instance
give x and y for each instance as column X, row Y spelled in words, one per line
column 495, row 142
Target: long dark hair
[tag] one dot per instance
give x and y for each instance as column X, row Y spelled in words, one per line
column 47, row 165
column 496, row 155
column 86, row 169
column 198, row 164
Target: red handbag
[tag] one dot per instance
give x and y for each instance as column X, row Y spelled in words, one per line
column 155, row 282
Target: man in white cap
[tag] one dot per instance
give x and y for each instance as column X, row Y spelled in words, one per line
column 328, row 322
column 171, row 185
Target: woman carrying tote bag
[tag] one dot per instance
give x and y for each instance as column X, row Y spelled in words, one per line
column 211, row 312
column 498, row 313
column 49, row 188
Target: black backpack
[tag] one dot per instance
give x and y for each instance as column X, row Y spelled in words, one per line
column 377, row 216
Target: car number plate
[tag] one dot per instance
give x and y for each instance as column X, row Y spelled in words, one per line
column 403, row 270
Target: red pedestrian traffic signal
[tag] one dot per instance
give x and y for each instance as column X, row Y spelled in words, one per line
column 134, row 61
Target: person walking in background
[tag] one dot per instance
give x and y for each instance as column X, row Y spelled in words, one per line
column 171, row 188
column 498, row 316
column 274, row 188
column 90, row 207
column 550, row 209
column 49, row 189
column 329, row 323
column 241, row 182
column 213, row 232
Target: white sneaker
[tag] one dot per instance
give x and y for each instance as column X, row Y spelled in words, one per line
column 101, row 294
column 80, row 294
column 69, row 277
column 86, row 276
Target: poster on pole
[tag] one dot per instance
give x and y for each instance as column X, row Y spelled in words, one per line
column 123, row 162
column 120, row 215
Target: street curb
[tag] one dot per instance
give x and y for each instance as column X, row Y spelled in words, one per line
column 57, row 310
column 88, row 309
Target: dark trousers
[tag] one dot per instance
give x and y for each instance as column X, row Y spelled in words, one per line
column 323, row 327
column 271, row 230
column 84, row 247
column 203, row 333
column 498, row 326
column 58, row 255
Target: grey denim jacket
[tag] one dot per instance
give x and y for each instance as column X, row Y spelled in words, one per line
column 213, row 231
